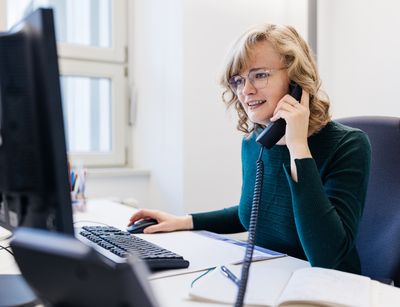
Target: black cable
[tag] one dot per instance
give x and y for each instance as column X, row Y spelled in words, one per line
column 6, row 248
column 252, row 231
column 7, row 238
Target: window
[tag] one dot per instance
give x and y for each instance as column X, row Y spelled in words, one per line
column 91, row 42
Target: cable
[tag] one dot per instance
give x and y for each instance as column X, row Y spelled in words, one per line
column 5, row 234
column 252, row 231
column 6, row 237
column 203, row 274
column 6, row 248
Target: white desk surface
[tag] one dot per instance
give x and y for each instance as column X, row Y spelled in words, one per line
column 170, row 291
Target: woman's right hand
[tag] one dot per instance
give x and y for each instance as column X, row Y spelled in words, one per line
column 166, row 222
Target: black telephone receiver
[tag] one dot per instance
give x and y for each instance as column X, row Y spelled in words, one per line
column 276, row 130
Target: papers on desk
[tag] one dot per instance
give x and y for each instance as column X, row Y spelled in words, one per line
column 269, row 286
column 256, row 256
column 203, row 250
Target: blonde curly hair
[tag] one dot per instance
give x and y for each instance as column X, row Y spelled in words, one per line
column 299, row 61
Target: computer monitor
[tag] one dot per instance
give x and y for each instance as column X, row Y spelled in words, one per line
column 34, row 180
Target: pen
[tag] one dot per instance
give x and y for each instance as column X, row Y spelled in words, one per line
column 72, row 179
column 230, row 275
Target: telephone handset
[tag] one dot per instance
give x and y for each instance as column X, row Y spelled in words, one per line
column 276, row 130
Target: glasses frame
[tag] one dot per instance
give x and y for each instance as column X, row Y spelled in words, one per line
column 250, row 77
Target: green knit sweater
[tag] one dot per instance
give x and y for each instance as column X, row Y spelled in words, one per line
column 315, row 218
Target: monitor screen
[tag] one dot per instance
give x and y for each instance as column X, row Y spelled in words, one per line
column 34, row 182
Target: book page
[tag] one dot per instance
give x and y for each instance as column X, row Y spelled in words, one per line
column 384, row 295
column 327, row 287
column 264, row 286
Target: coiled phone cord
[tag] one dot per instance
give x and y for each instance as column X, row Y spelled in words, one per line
column 252, row 231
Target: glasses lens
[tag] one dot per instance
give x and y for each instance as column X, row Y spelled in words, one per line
column 259, row 78
column 236, row 82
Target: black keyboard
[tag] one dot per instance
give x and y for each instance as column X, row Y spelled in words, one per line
column 123, row 244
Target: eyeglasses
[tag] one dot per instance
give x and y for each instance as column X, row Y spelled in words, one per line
column 257, row 77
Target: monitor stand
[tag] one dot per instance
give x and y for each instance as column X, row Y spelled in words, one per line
column 14, row 291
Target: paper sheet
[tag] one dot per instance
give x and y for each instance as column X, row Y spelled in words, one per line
column 264, row 286
column 384, row 295
column 272, row 286
column 202, row 252
column 328, row 287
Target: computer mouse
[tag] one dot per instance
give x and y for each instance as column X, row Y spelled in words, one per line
column 139, row 226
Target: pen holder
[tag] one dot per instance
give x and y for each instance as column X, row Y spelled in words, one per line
column 77, row 179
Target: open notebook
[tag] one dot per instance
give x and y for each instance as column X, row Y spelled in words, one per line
column 270, row 286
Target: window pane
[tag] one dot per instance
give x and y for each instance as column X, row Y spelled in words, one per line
column 82, row 22
column 87, row 112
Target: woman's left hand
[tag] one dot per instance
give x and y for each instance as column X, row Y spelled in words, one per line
column 296, row 116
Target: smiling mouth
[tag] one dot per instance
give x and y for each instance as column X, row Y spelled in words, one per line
column 256, row 103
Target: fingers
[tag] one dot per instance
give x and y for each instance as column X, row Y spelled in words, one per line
column 289, row 100
column 305, row 99
column 280, row 114
column 287, row 104
column 142, row 214
column 166, row 222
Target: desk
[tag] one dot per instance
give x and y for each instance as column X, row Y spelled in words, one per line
column 170, row 291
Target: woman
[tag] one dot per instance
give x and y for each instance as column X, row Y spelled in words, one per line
column 315, row 178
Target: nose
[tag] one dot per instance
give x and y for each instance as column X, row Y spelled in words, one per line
column 248, row 88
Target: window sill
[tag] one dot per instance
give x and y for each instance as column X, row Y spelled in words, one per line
column 117, row 172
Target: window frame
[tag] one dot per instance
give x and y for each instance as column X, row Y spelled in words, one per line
column 3, row 15
column 119, row 98
column 102, row 62
column 116, row 53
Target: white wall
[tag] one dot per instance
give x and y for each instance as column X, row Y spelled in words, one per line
column 212, row 169
column 156, row 72
column 358, row 56
column 122, row 185
column 183, row 134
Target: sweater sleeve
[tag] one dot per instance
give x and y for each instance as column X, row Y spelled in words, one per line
column 327, row 209
column 220, row 221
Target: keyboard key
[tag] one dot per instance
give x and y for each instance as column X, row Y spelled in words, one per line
column 123, row 244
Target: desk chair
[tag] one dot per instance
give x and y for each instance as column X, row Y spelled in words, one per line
column 378, row 240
